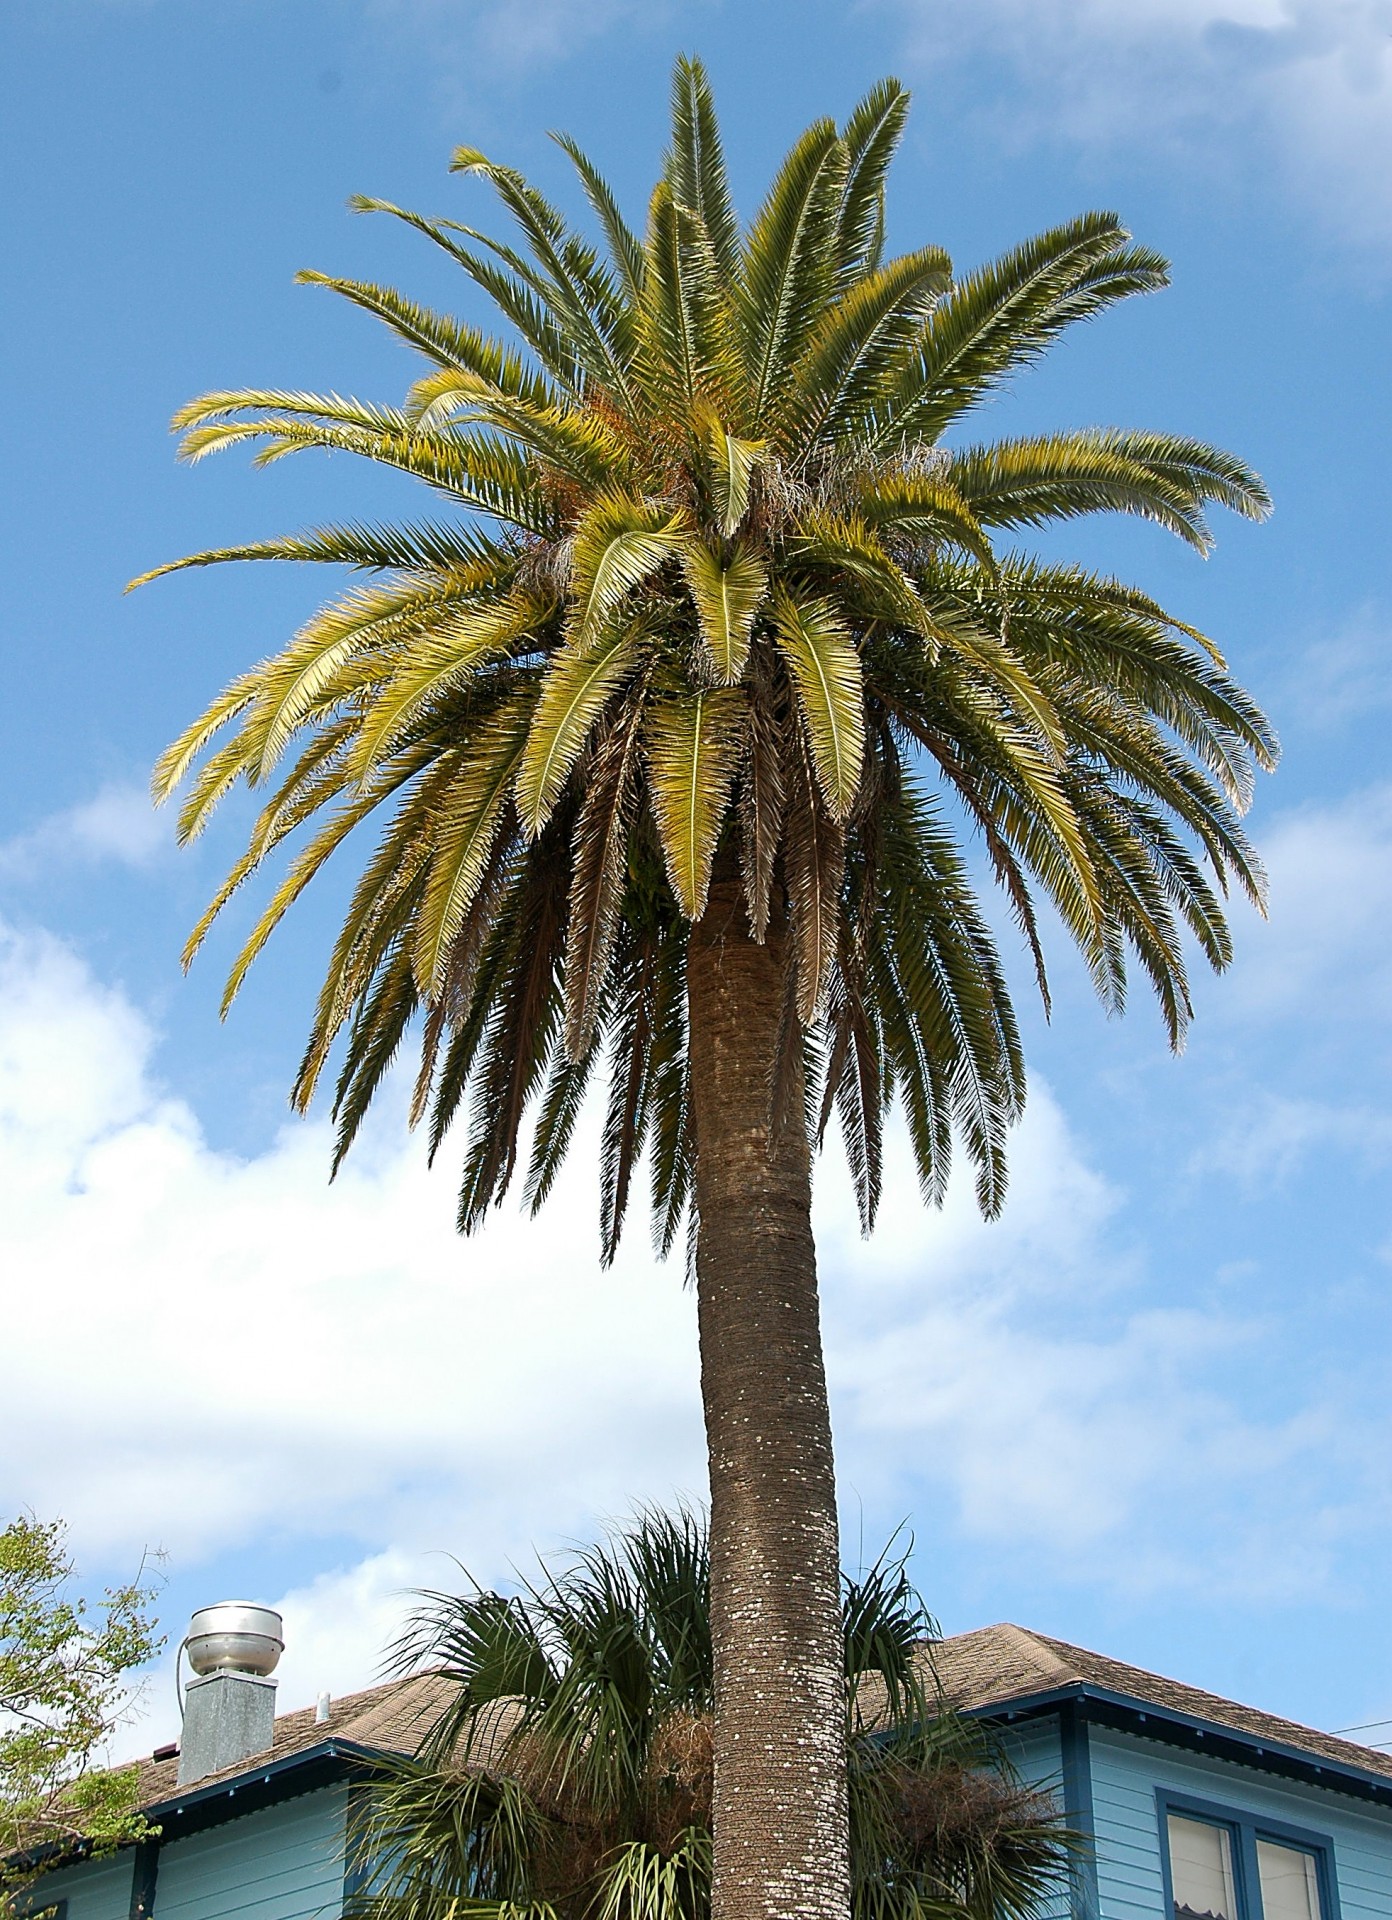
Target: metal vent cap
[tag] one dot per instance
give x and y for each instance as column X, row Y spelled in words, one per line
column 235, row 1636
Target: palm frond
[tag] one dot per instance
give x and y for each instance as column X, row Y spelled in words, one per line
column 1001, row 318
column 825, row 668
column 625, row 248
column 570, row 1771
column 788, row 277
column 693, row 744
column 733, row 464
column 577, row 687
column 727, row 594
column 695, row 168
column 871, row 137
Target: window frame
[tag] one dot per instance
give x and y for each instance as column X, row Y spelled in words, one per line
column 1246, row 1828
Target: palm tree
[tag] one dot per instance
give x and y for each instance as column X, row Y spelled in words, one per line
column 674, row 722
column 569, row 1776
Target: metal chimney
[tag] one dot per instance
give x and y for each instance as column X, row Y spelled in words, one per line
column 229, row 1706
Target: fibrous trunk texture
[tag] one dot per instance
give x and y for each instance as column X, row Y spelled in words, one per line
column 779, row 1807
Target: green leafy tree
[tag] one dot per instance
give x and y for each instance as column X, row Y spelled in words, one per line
column 569, row 1777
column 65, row 1670
column 670, row 728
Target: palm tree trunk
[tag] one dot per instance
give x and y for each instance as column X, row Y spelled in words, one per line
column 779, row 1811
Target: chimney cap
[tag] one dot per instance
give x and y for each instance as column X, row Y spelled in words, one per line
column 235, row 1636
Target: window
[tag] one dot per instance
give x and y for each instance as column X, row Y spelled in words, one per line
column 1201, row 1870
column 1225, row 1865
column 1289, row 1882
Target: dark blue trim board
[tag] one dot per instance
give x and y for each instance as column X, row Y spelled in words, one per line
column 1076, row 1760
column 144, row 1879
column 1246, row 1829
column 355, row 1873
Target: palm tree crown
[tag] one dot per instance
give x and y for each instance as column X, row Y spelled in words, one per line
column 569, row 1776
column 715, row 588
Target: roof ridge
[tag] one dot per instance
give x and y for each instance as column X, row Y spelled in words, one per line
column 1054, row 1649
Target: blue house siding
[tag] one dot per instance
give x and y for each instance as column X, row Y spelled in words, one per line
column 94, row 1890
column 282, row 1863
column 1034, row 1749
column 1127, row 1770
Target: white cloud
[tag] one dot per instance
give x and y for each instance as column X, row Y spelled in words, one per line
column 508, row 36
column 528, row 31
column 1313, row 76
column 1325, row 955
column 216, row 1346
column 339, row 1627
column 218, row 1352
column 119, row 823
column 1265, row 1144
column 1338, row 677
column 1026, row 1372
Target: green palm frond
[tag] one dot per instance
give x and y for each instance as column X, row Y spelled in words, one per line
column 696, row 164
column 921, row 512
column 574, row 693
column 733, row 464
column 618, row 544
column 859, row 341
column 728, row 595
column 826, row 670
column 1001, row 318
column 463, row 839
column 788, row 276
column 693, row 744
column 442, row 339
column 682, row 322
column 455, row 652
column 871, row 138
column 1032, row 482
column 518, row 295
column 626, row 249
column 566, row 277
column 600, row 871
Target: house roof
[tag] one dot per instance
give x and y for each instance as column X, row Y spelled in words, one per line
column 999, row 1668
column 994, row 1671
column 392, row 1718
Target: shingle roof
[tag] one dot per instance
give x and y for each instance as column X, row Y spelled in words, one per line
column 979, row 1671
column 392, row 1718
column 995, row 1665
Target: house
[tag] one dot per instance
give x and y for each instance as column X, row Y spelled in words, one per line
column 1197, row 1808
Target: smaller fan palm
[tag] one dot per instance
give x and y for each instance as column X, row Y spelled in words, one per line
column 569, row 1778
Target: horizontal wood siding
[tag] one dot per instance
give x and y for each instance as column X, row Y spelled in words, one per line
column 95, row 1890
column 282, row 1863
column 1033, row 1750
column 1126, row 1772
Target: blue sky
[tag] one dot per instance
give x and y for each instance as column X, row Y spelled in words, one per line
column 1149, row 1410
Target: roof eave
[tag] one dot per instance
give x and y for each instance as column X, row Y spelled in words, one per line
column 198, row 1806
column 260, row 1785
column 1199, row 1735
